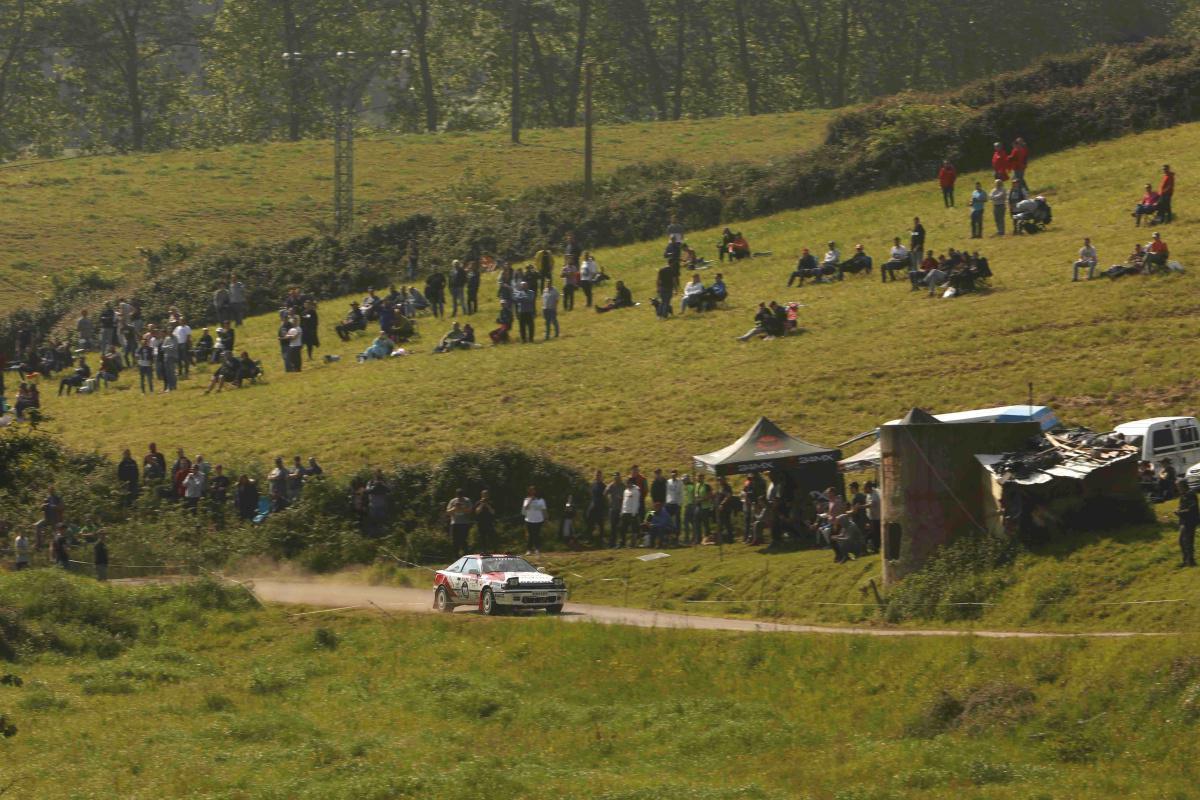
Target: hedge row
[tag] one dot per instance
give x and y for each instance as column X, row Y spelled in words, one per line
column 1057, row 103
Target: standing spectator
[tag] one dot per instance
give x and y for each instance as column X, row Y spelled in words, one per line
column 999, row 199
column 675, row 230
column 473, row 278
column 1087, row 260
column 128, row 474
column 874, row 516
column 1018, row 159
column 725, row 504
column 53, row 512
column 108, row 327
column 570, row 281
column 295, row 481
column 543, row 260
column 100, row 557
column 458, row 511
column 571, row 251
column 85, row 330
column 218, row 491
column 21, row 551
column 1189, row 515
column 377, row 491
column 631, row 504
column 689, row 506
column 485, row 523
column 1166, row 193
column 999, row 162
column 614, row 495
column 596, row 508
column 916, row 241
column 245, row 497
column 658, row 488
column 435, row 293
column 947, row 174
column 221, row 303
column 665, row 287
column 526, row 302
column 309, row 327
column 292, row 340
column 193, row 488
column 411, row 254
column 458, row 288
column 168, row 362
column 674, row 499
column 154, row 464
column 60, row 551
column 704, row 506
column 533, row 509
column 237, row 299
column 979, row 201
column 183, row 337
column 589, row 273
column 550, row 309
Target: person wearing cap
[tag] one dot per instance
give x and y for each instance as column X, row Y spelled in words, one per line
column 1166, row 193
column 1018, row 159
column 831, row 264
column 1087, row 260
column 999, row 162
column 805, row 267
column 999, row 198
column 859, row 262
column 898, row 261
column 1157, row 253
column 947, row 174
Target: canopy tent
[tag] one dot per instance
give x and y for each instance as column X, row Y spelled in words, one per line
column 767, row 447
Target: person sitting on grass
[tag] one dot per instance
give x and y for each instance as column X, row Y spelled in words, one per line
column 717, row 293
column 1146, row 207
column 898, row 260
column 75, row 379
column 505, row 321
column 249, row 369
column 739, row 248
column 917, row 276
column 693, row 295
column 832, row 262
column 455, row 339
column 723, row 245
column 1157, row 254
column 229, row 371
column 770, row 320
column 806, row 267
column 859, row 262
column 111, row 365
column 623, row 299
column 848, row 540
column 354, row 321
column 28, row 398
column 204, row 346
column 1133, row 266
column 380, row 349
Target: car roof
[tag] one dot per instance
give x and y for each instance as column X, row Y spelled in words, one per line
column 1146, row 424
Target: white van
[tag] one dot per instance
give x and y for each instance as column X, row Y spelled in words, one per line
column 1176, row 438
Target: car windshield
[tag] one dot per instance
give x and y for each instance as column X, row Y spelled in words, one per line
column 510, row 564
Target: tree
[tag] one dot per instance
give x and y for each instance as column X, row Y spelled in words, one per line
column 29, row 109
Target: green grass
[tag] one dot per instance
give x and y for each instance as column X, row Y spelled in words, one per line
column 624, row 387
column 255, row 704
column 63, row 217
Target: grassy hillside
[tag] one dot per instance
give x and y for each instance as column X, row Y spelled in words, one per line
column 623, row 387
column 95, row 212
column 228, row 703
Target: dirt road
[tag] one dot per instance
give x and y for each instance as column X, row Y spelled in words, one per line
column 395, row 599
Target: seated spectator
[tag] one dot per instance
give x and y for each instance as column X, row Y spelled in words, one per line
column 1156, row 255
column 1146, row 477
column 370, row 306
column 793, row 317
column 832, row 262
column 1167, row 481
column 723, row 245
column 111, row 365
column 1134, row 266
column 1087, row 260
column 27, row 397
column 898, row 260
column 76, row 379
column 917, row 276
column 381, row 348
column 204, row 346
column 248, row 369
column 717, row 292
column 354, row 321
column 1147, row 206
column 418, row 301
column 806, row 267
column 455, row 339
column 848, row 539
column 739, row 248
column 229, row 371
column 936, row 278
column 505, row 321
column 693, row 295
column 623, row 299
column 770, row 321
column 859, row 262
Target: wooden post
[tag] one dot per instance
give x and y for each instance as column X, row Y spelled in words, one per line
column 514, row 43
column 587, row 131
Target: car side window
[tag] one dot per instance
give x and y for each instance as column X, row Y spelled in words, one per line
column 1164, row 440
column 1188, row 437
column 471, row 564
column 456, row 566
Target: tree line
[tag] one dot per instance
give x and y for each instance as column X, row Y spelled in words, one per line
column 152, row 74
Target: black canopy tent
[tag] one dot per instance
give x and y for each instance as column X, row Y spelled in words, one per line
column 767, row 448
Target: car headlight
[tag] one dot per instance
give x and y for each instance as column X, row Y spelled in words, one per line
column 559, row 582
column 512, row 582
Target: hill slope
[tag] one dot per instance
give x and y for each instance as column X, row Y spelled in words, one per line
column 624, row 387
column 95, row 212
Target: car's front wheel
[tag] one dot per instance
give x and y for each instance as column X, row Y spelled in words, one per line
column 489, row 604
column 441, row 600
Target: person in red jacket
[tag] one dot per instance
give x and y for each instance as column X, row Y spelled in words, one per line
column 1000, row 162
column 1166, row 193
column 1018, row 158
column 946, row 177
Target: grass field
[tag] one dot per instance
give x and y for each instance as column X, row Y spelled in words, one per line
column 62, row 217
column 624, row 387
column 236, row 704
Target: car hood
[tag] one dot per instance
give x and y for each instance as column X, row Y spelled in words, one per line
column 523, row 577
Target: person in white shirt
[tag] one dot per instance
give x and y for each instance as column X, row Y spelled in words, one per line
column 674, row 504
column 831, row 261
column 589, row 272
column 292, row 340
column 21, row 550
column 533, row 509
column 183, row 336
column 874, row 515
column 898, row 260
column 1087, row 260
column 631, row 503
column 999, row 198
column 693, row 295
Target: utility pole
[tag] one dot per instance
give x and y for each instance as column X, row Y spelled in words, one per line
column 346, row 84
column 515, row 46
column 587, row 131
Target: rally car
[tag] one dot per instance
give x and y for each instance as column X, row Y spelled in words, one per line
column 495, row 583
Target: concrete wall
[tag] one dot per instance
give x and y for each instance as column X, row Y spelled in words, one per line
column 932, row 486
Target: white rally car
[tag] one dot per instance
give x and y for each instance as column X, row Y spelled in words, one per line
column 494, row 583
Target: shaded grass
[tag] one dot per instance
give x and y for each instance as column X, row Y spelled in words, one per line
column 96, row 212
column 425, row 706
